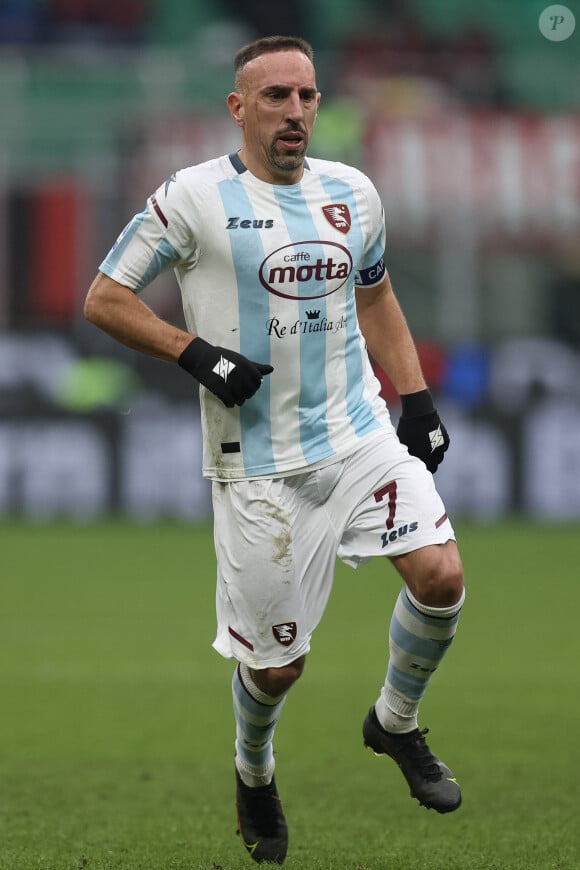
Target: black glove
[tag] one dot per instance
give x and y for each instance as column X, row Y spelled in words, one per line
column 421, row 430
column 230, row 376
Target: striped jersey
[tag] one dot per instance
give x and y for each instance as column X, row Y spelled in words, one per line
column 270, row 271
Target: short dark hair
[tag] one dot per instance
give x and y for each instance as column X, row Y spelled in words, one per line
column 267, row 45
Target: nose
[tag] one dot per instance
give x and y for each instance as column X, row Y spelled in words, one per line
column 295, row 109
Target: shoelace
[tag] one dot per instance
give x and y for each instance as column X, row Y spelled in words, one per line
column 416, row 749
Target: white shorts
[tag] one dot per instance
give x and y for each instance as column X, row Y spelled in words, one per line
column 277, row 540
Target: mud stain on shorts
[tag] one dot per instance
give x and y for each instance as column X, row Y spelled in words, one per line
column 283, row 540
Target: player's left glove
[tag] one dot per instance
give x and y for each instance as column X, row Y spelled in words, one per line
column 421, row 430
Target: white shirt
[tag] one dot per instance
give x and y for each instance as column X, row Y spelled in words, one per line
column 270, row 271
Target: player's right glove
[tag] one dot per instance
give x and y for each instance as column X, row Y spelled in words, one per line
column 421, row 430
column 233, row 378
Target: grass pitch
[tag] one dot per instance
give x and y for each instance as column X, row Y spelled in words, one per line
column 116, row 732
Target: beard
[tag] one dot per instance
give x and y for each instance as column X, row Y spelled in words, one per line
column 286, row 162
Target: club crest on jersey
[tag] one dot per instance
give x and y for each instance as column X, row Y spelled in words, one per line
column 338, row 216
column 285, row 633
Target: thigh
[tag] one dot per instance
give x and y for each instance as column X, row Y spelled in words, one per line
column 393, row 504
column 276, row 557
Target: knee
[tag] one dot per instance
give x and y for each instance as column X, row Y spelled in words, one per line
column 442, row 584
column 277, row 681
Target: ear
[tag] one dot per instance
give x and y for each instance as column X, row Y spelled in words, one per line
column 236, row 107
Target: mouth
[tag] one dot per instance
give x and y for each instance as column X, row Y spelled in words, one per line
column 291, row 140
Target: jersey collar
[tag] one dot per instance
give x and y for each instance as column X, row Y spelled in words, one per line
column 240, row 167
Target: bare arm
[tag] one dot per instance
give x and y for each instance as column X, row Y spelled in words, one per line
column 388, row 338
column 118, row 311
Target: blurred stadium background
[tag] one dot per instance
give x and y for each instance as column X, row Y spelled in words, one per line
column 466, row 117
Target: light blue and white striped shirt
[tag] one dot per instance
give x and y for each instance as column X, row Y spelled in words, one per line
column 270, row 271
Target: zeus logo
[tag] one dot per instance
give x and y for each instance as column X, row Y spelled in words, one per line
column 236, row 223
column 223, row 368
column 390, row 537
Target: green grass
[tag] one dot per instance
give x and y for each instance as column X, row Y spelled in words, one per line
column 116, row 734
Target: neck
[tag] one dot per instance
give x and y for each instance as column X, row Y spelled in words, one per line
column 270, row 174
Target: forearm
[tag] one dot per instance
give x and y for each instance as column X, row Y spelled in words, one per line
column 121, row 314
column 388, row 337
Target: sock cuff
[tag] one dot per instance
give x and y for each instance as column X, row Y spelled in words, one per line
column 252, row 689
column 436, row 612
column 253, row 776
column 390, row 702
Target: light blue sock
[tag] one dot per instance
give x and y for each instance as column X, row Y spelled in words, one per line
column 419, row 637
column 256, row 717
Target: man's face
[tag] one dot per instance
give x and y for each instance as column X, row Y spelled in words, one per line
column 276, row 107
